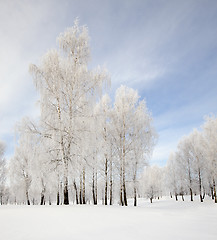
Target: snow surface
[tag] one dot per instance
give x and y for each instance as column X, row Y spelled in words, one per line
column 163, row 220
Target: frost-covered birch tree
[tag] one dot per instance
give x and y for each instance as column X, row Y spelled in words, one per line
column 66, row 87
column 133, row 134
column 210, row 136
column 2, row 172
column 103, row 112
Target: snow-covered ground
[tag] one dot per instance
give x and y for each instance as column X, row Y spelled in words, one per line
column 163, row 219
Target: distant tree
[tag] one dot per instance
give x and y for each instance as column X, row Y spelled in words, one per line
column 2, row 172
column 152, row 182
column 210, row 137
column 197, row 155
column 172, row 175
column 21, row 165
column 185, row 162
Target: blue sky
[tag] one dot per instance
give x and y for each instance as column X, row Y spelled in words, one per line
column 167, row 50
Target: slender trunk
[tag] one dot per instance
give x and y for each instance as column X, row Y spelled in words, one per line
column 125, row 192
column 58, row 198
column 66, row 181
column 183, row 198
column 200, row 185
column 124, row 181
column 135, row 200
column 80, row 190
column 121, row 189
column 83, row 192
column 106, row 180
column 190, row 180
column 214, row 191
column 121, row 177
column 151, row 199
column 76, row 192
column 204, row 193
column 191, row 192
column 93, row 188
column 111, row 184
column 43, row 193
column 134, row 183
column 66, row 192
column 211, row 190
column 27, row 198
column 176, row 196
column 96, row 188
column 42, row 199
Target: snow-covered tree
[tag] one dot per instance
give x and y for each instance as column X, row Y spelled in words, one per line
column 133, row 135
column 102, row 113
column 151, row 182
column 2, row 172
column 66, row 88
column 172, row 175
column 210, row 137
column 185, row 162
column 197, row 155
column 21, row 166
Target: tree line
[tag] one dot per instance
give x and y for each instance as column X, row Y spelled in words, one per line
column 190, row 170
column 86, row 147
column 83, row 147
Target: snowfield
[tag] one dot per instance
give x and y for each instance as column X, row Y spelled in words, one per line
column 163, row 219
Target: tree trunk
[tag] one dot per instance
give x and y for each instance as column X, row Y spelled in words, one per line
column 200, row 185
column 125, row 193
column 135, row 200
column 76, row 192
column 66, row 192
column 106, row 180
column 80, row 190
column 58, row 198
column 183, row 198
column 121, row 187
column 204, row 192
column 124, row 182
column 176, row 196
column 151, row 199
column 93, row 188
column 66, row 182
column 83, row 192
column 42, row 199
column 111, row 184
column 27, row 198
column 96, row 196
column 211, row 190
column 191, row 192
column 214, row 191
